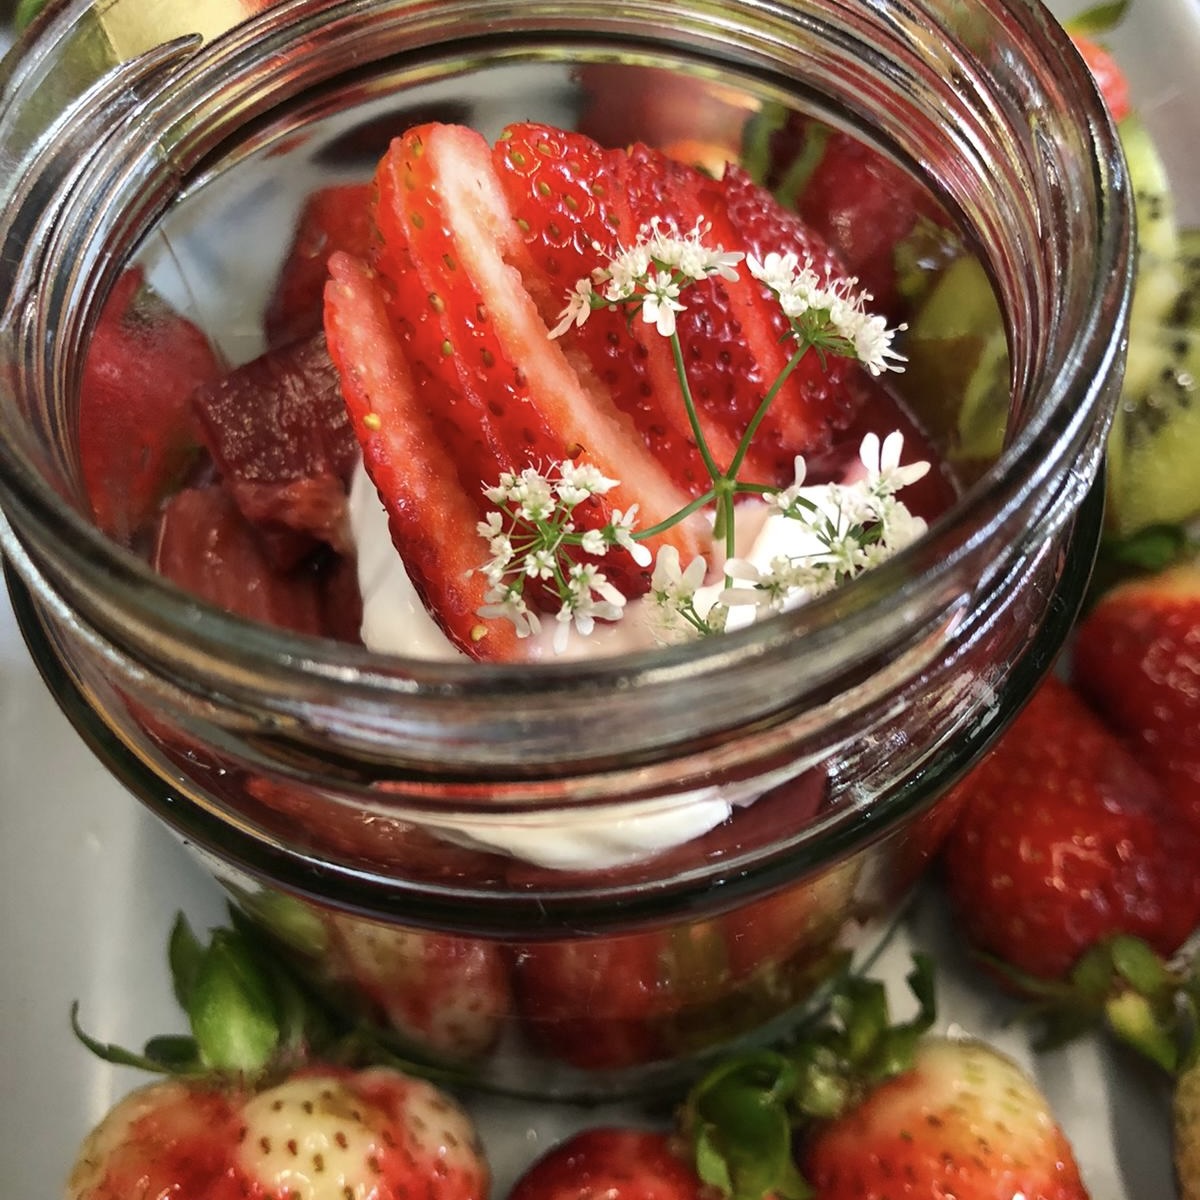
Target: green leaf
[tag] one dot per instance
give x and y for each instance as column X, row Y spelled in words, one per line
column 1140, row 966
column 184, row 955
column 176, row 1052
column 119, row 1056
column 1133, row 1019
column 231, row 1008
column 1099, row 19
column 742, row 1130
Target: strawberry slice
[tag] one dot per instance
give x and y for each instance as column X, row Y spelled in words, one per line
column 818, row 397
column 572, row 204
column 137, row 435
column 432, row 519
column 206, row 547
column 332, row 218
column 278, row 431
column 470, row 253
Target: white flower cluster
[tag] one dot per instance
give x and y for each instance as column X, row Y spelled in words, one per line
column 530, row 536
column 841, row 528
column 828, row 313
column 649, row 276
column 845, row 528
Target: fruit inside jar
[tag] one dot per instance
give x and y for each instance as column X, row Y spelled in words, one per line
column 388, row 371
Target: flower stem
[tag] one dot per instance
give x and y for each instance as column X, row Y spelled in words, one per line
column 695, row 506
column 764, row 405
column 689, row 404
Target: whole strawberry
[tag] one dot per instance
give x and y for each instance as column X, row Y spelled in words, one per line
column 856, row 1107
column 328, row 1134
column 964, row 1121
column 616, row 1163
column 1137, row 660
column 269, row 1099
column 1064, row 839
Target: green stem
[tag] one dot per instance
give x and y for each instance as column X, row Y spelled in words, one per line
column 767, row 400
column 714, row 472
column 695, row 506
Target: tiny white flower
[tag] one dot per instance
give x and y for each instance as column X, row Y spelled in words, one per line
column 670, row 584
column 620, row 529
column 533, row 495
column 509, row 604
column 872, row 341
column 578, row 481
column 885, row 475
column 594, row 542
column 539, row 564
column 625, row 273
column 783, row 499
column 578, row 308
column 661, row 302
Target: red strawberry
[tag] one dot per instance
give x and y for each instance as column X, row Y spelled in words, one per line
column 448, row 996
column 468, row 250
column 618, row 1164
column 206, row 547
column 818, row 398
column 325, row 1134
column 1063, row 840
column 615, row 1001
column 433, row 521
column 256, row 1114
column 278, row 431
column 137, row 434
column 574, row 204
column 1110, row 79
column 866, row 206
column 1137, row 659
column 962, row 1121
column 333, row 218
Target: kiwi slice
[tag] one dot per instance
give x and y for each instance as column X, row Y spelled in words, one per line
column 958, row 359
column 1159, row 270
column 1186, row 309
column 1154, row 447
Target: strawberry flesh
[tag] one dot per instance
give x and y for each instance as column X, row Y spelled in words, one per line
column 432, row 520
column 207, row 547
column 138, row 437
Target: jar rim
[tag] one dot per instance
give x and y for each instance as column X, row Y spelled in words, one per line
column 1061, row 393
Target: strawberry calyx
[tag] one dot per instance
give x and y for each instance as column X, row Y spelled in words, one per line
column 251, row 1020
column 742, row 1119
column 1123, row 986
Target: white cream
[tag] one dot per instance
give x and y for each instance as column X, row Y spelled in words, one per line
column 396, row 622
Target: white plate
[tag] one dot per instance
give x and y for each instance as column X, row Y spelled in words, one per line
column 89, row 884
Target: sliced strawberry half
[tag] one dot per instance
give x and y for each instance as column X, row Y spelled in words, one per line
column 470, row 253
column 432, row 519
column 818, row 397
column 572, row 204
column 721, row 328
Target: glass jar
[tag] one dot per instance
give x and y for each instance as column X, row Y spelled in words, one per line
column 509, row 867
